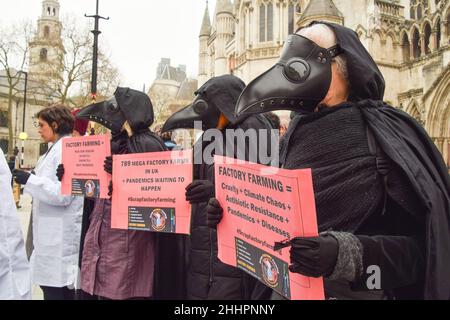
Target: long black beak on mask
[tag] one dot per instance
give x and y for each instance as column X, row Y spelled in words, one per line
column 106, row 113
column 270, row 93
column 298, row 82
column 183, row 119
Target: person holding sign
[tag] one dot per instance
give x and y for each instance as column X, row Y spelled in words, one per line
column 208, row 278
column 79, row 130
column 381, row 186
column 120, row 264
column 56, row 219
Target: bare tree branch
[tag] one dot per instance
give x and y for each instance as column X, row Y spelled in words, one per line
column 68, row 81
column 14, row 42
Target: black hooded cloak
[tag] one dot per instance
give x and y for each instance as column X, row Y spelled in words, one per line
column 137, row 110
column 207, row 277
column 377, row 174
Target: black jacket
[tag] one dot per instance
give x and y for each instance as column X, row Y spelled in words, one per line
column 208, row 278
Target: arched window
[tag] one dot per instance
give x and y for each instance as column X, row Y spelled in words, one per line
column 427, row 33
column 262, row 23
column 54, row 12
column 269, row 21
column 48, row 11
column 293, row 8
column 419, row 12
column 243, row 37
column 266, row 21
column 46, row 31
column 43, row 54
column 417, row 50
column 438, row 34
column 406, row 48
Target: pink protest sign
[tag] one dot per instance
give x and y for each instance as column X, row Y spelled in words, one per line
column 262, row 206
column 83, row 160
column 149, row 192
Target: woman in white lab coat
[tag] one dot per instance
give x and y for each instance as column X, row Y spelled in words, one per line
column 56, row 218
column 15, row 283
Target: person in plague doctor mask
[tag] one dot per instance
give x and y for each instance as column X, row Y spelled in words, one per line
column 381, row 186
column 207, row 278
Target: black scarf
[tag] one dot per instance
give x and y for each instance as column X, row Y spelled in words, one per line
column 119, row 143
column 334, row 144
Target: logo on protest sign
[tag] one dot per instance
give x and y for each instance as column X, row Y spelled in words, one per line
column 152, row 219
column 86, row 187
column 269, row 270
column 89, row 188
column 158, row 218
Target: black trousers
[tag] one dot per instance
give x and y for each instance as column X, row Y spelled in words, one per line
column 81, row 295
column 51, row 293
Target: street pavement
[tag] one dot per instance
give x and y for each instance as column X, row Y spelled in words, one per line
column 24, row 215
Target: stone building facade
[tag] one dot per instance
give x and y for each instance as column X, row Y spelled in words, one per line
column 409, row 40
column 46, row 53
column 169, row 92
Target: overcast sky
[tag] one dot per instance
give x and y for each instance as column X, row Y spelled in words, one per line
column 138, row 34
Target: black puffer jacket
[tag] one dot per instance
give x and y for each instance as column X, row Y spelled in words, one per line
column 208, row 278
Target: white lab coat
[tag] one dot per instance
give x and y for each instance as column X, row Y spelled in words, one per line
column 56, row 225
column 15, row 283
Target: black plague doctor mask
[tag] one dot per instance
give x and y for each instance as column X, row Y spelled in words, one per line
column 214, row 101
column 107, row 113
column 126, row 106
column 298, row 82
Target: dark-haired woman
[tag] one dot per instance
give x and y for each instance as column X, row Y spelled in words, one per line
column 56, row 218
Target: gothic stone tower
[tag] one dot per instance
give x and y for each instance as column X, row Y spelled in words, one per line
column 205, row 32
column 224, row 28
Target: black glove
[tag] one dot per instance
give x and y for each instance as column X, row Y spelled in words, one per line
column 215, row 213
column 200, row 191
column 21, row 177
column 314, row 257
column 110, row 189
column 60, row 172
column 108, row 165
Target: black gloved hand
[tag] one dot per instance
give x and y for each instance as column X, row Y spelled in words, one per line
column 200, row 191
column 21, row 177
column 215, row 213
column 108, row 165
column 110, row 189
column 314, row 257
column 60, row 172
